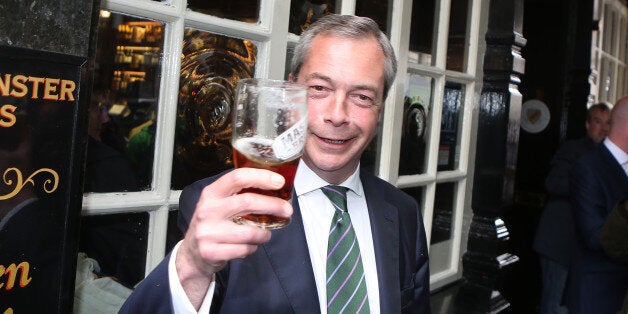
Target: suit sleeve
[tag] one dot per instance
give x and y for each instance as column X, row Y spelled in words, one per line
column 557, row 181
column 587, row 202
column 152, row 295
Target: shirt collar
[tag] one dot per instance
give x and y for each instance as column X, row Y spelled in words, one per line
column 306, row 181
column 620, row 155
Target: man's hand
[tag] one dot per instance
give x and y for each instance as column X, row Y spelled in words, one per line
column 213, row 239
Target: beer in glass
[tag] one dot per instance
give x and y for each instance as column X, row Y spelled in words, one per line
column 269, row 128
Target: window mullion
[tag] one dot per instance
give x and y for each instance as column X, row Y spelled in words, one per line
column 393, row 110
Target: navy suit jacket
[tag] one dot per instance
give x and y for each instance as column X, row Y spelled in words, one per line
column 278, row 277
column 556, row 233
column 596, row 284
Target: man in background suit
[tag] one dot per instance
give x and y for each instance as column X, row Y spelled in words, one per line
column 596, row 283
column 348, row 65
column 555, row 238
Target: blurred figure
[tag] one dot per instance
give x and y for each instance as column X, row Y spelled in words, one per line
column 555, row 238
column 614, row 238
column 116, row 241
column 599, row 180
column 106, row 169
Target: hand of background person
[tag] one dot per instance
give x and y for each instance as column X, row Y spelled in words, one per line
column 213, row 239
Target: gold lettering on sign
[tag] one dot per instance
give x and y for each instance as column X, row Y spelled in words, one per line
column 7, row 116
column 49, row 185
column 18, row 86
column 12, row 272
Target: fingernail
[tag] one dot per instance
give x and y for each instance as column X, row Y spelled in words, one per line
column 277, row 180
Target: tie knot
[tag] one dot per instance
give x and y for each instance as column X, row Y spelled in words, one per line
column 337, row 195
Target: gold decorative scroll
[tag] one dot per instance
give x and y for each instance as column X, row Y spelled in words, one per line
column 49, row 185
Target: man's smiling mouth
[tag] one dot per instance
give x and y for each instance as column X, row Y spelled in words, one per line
column 328, row 140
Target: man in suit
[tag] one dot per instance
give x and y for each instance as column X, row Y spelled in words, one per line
column 596, row 283
column 555, row 238
column 348, row 65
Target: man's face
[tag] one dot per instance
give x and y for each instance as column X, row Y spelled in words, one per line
column 345, row 80
column 598, row 127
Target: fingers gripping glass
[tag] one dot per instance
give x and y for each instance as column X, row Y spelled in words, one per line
column 269, row 127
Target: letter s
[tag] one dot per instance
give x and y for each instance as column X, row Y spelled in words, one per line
column 7, row 118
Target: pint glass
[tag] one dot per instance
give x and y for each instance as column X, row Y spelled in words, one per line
column 269, row 128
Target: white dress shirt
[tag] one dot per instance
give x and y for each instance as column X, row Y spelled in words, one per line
column 317, row 212
column 619, row 155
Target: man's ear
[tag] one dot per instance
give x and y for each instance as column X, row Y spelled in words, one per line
column 291, row 78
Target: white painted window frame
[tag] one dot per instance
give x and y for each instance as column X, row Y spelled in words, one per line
column 609, row 44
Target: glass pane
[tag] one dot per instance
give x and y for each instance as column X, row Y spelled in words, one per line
column 416, row 117
column 606, row 81
column 123, row 104
column 457, row 41
column 613, row 32
column 621, row 43
column 422, row 31
column 369, row 158
column 174, row 234
column 608, row 16
column 449, row 146
column 116, row 245
column 416, row 193
column 211, row 65
column 443, row 212
column 375, row 9
column 305, row 12
column 240, row 10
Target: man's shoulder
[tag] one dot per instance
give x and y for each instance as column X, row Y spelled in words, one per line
column 375, row 184
column 577, row 146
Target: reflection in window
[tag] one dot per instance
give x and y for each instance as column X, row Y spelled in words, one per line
column 305, row 12
column 443, row 212
column 422, row 32
column 174, row 234
column 240, row 10
column 376, row 10
column 415, row 121
column 211, row 66
column 457, row 41
column 123, row 104
column 449, row 145
column 118, row 244
column 416, row 193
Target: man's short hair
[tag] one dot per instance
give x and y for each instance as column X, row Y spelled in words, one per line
column 602, row 107
column 348, row 26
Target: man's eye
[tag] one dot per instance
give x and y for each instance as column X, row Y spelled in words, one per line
column 318, row 88
column 363, row 100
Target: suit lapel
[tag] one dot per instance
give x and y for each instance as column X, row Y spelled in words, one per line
column 288, row 254
column 384, row 225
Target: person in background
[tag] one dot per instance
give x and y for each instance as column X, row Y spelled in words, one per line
column 614, row 238
column 348, row 65
column 555, row 238
column 107, row 169
column 599, row 180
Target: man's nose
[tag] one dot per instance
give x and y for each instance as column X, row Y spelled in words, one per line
column 337, row 112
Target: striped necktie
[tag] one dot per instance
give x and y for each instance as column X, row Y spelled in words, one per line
column 346, row 285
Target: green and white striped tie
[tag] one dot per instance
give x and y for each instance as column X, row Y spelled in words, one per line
column 346, row 285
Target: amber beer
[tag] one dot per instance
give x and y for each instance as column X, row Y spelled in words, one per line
column 258, row 153
column 269, row 130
